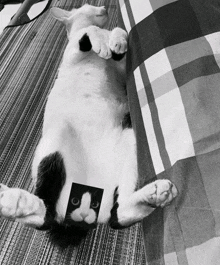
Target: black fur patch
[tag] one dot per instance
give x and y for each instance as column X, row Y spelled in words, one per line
column 126, row 122
column 117, row 57
column 51, row 179
column 85, row 44
column 64, row 236
column 113, row 222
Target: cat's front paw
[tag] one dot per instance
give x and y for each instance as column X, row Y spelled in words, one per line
column 100, row 46
column 99, row 40
column 161, row 192
column 118, row 41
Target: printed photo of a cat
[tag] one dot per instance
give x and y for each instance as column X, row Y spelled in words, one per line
column 86, row 141
column 84, row 205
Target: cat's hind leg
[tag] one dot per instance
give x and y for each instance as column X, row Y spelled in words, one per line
column 141, row 203
column 130, row 205
column 48, row 173
column 48, row 168
column 20, row 205
column 49, row 145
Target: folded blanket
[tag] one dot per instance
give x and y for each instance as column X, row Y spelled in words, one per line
column 174, row 94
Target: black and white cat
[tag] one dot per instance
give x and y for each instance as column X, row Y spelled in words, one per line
column 84, row 141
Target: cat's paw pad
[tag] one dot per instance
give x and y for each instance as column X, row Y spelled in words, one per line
column 161, row 193
column 118, row 41
column 15, row 203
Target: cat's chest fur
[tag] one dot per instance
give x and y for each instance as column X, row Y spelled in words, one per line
column 87, row 94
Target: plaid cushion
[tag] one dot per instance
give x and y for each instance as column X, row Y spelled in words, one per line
column 173, row 88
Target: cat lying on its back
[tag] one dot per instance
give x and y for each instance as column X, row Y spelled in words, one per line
column 84, row 143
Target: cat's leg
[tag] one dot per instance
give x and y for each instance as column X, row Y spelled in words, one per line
column 86, row 40
column 96, row 39
column 141, row 203
column 132, row 206
column 48, row 174
column 50, row 143
column 22, row 206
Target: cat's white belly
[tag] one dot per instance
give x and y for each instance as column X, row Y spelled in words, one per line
column 99, row 165
column 84, row 98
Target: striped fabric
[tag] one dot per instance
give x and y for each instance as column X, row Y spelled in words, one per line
column 29, row 59
column 174, row 93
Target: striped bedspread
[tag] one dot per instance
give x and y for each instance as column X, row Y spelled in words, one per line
column 29, row 59
column 174, row 92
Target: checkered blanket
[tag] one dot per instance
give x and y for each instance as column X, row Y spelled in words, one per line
column 174, row 92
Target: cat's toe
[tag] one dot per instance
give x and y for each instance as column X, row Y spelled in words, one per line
column 102, row 49
column 105, row 52
column 162, row 193
column 118, row 45
column 166, row 192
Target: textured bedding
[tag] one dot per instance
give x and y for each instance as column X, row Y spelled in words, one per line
column 174, row 93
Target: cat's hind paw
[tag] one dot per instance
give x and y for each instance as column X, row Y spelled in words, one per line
column 12, row 202
column 18, row 203
column 161, row 192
